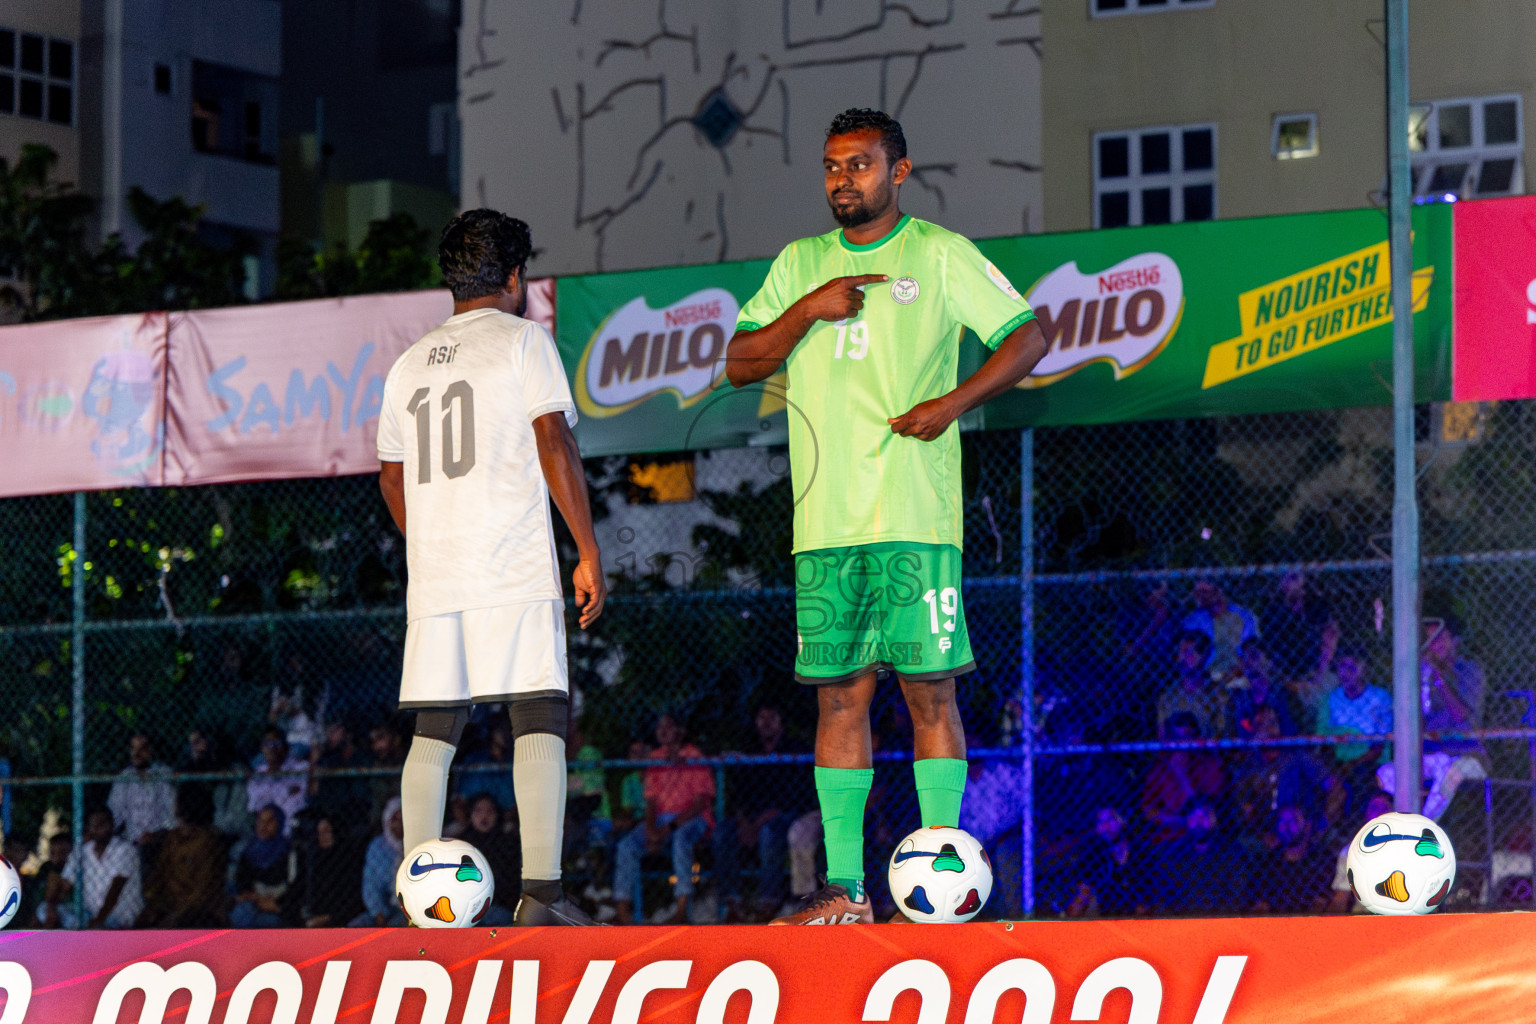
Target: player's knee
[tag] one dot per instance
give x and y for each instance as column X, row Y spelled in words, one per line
column 443, row 724
column 545, row 713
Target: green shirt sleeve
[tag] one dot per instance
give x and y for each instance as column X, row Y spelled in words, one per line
column 770, row 302
column 980, row 296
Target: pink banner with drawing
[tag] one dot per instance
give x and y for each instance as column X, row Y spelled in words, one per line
column 292, row 389
column 82, row 404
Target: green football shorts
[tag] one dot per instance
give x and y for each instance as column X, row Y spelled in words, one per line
column 893, row 606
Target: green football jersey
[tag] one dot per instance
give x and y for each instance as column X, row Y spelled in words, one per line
column 856, row 482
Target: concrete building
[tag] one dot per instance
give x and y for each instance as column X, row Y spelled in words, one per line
column 369, row 118
column 1170, row 110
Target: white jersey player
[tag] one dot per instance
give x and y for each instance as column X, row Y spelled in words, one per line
column 474, row 440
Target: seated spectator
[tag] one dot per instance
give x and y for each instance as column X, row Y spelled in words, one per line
column 264, row 874
column 1177, row 779
column 678, row 799
column 488, row 769
column 1068, row 784
column 1295, row 625
column 632, row 789
column 1194, row 691
column 207, row 751
column 345, row 799
column 386, row 749
column 499, row 843
column 1354, row 706
column 1310, row 692
column 113, row 893
column 281, row 779
column 332, row 876
column 1452, row 689
column 1110, row 871
column 142, row 800
column 1292, row 875
column 185, row 886
column 1201, row 873
column 588, row 815
column 1224, row 624
column 1270, row 778
column 767, row 798
column 298, row 718
column 1255, row 687
column 1342, row 900
column 380, row 864
column 34, row 888
column 992, row 811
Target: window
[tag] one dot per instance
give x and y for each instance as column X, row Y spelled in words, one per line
column 232, row 113
column 1154, row 176
column 1293, row 136
column 1113, row 8
column 37, row 77
column 163, row 79
column 1466, row 148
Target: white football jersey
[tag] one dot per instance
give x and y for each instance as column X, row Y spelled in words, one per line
column 458, row 412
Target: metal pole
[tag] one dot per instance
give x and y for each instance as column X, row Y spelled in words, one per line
column 77, row 702
column 1027, row 669
column 1407, row 754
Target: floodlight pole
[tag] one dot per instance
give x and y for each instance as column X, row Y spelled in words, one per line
column 1407, row 753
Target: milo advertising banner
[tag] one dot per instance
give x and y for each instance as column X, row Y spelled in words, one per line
column 1212, row 319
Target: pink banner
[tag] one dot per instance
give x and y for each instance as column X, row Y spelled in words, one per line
column 82, row 404
column 292, row 389
column 1495, row 305
column 1456, row 969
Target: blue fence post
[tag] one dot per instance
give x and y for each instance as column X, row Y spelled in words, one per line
column 1027, row 669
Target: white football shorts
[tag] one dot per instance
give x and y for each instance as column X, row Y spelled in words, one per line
column 485, row 655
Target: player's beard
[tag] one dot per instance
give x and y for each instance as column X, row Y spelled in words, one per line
column 865, row 209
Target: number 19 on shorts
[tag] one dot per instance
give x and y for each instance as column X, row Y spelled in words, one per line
column 944, row 603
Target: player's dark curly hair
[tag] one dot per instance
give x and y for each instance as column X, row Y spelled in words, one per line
column 862, row 119
column 479, row 250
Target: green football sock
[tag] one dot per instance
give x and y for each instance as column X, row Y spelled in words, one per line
column 940, row 785
column 842, row 792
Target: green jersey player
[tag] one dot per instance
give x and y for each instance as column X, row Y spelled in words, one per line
column 866, row 323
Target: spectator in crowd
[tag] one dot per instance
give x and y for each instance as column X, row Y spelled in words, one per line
column 184, row 888
column 1293, row 873
column 333, row 877
column 499, row 842
column 280, row 780
column 1110, row 871
column 289, row 711
column 588, row 814
column 1200, row 873
column 768, row 798
column 142, row 799
column 1343, row 899
column 1177, row 779
column 1224, row 624
column 1255, row 687
column 1354, row 706
column 992, row 811
column 109, row 865
column 1270, row 778
column 380, row 863
column 34, row 889
column 678, row 798
column 491, row 766
column 264, row 873
column 632, row 789
column 458, row 817
column 207, row 752
column 1451, row 689
column 344, row 799
column 1295, row 625
column 1146, row 631
column 386, row 750
column 1193, row 691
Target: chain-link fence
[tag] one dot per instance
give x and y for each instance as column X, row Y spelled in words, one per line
column 1166, row 618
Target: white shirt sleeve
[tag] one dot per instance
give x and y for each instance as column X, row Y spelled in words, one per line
column 120, row 859
column 545, row 389
column 391, row 444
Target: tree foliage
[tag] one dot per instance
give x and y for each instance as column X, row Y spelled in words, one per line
column 393, row 258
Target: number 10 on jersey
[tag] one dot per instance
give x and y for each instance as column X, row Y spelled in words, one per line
column 458, row 402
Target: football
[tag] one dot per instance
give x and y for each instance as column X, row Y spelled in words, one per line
column 444, row 883
column 1401, row 864
column 940, row 875
column 10, row 892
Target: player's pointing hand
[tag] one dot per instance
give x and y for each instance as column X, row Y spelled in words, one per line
column 840, row 298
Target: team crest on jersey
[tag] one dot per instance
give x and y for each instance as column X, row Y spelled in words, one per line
column 904, row 290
